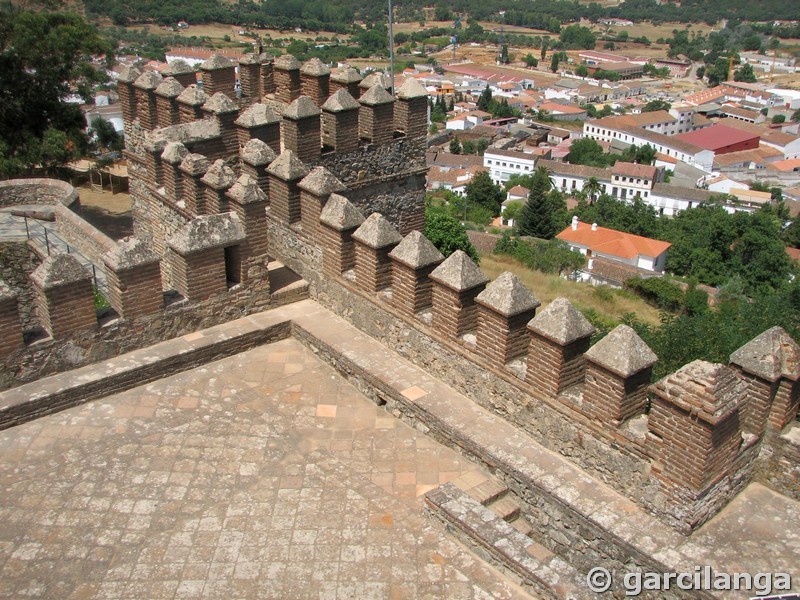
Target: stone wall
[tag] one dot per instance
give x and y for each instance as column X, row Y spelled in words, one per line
column 83, row 236
column 36, row 191
column 17, row 262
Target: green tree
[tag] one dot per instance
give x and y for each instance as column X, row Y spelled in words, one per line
column 554, row 61
column 481, row 191
column 655, row 105
column 447, row 234
column 537, row 217
column 105, row 134
column 593, row 188
column 796, row 116
column 485, row 99
column 745, row 74
column 581, row 71
column 455, row 146
column 530, row 60
column 777, row 119
column 468, row 147
column 481, row 145
column 43, row 57
column 587, row 151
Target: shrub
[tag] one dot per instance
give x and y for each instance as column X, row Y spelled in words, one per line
column 659, row 292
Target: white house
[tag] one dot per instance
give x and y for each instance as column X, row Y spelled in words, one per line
column 502, row 164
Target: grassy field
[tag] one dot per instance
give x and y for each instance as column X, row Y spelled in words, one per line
column 608, row 302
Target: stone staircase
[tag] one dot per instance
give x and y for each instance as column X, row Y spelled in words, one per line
column 496, row 497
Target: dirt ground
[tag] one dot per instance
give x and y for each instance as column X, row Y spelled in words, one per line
column 110, row 213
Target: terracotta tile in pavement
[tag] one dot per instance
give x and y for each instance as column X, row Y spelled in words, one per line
column 262, row 475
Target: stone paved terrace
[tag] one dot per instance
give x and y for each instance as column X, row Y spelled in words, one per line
column 266, row 474
column 261, row 475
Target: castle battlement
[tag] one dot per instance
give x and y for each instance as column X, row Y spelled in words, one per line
column 214, row 205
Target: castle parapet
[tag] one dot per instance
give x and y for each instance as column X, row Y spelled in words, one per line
column 133, row 272
column 249, row 202
column 256, row 157
column 770, row 365
column 504, row 309
column 190, row 104
column 456, row 283
column 285, row 173
column 315, row 79
column 10, row 324
column 696, row 437
column 340, row 115
column 559, row 338
column 193, row 167
column 171, row 159
column 346, row 79
column 375, row 239
column 250, row 77
column 183, row 72
column 167, row 107
column 64, row 296
column 411, row 109
column 219, row 75
column 216, row 181
column 376, row 116
column 267, row 74
column 339, row 219
column 204, row 255
column 127, row 93
column 145, row 86
column 618, row 370
column 288, row 86
column 225, row 111
column 315, row 188
column 300, row 129
column 260, row 123
column 413, row 260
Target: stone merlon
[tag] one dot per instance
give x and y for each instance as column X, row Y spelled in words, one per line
column 770, row 356
column 257, row 153
column 622, row 352
column 377, row 232
column 288, row 167
column 130, row 252
column 58, row 270
column 376, row 96
column 186, row 133
column 217, row 61
column 374, row 79
column 561, row 322
column 345, row 75
column 195, row 164
column 178, row 67
column 219, row 103
column 459, row 272
column 301, row 108
column 250, row 59
column 340, row 101
column 149, row 80
column 174, row 153
column 507, row 296
column 129, row 74
column 257, row 115
column 416, row 251
column 209, row 231
column 410, row 89
column 193, row 96
column 287, row 62
column 219, row 176
column 247, row 191
column 340, row 214
column 315, row 67
column 707, row 390
column 169, row 88
column 321, row 182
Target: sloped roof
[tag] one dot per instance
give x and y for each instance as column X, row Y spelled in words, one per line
column 612, row 242
column 716, row 137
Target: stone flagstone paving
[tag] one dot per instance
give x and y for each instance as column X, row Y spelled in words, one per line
column 264, row 475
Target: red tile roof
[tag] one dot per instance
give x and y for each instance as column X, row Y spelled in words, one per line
column 612, row 242
column 716, row 137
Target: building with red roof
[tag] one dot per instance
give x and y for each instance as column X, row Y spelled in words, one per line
column 722, row 139
column 600, row 242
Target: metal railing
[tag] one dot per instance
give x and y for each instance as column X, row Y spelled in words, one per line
column 51, row 243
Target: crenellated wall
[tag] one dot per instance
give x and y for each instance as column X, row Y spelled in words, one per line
column 213, row 208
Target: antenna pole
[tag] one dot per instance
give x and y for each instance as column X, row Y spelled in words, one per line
column 391, row 45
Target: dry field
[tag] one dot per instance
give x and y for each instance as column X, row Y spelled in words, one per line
column 546, row 288
column 218, row 31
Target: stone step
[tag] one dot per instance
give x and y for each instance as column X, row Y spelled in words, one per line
column 522, row 525
column 505, row 508
column 487, row 491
